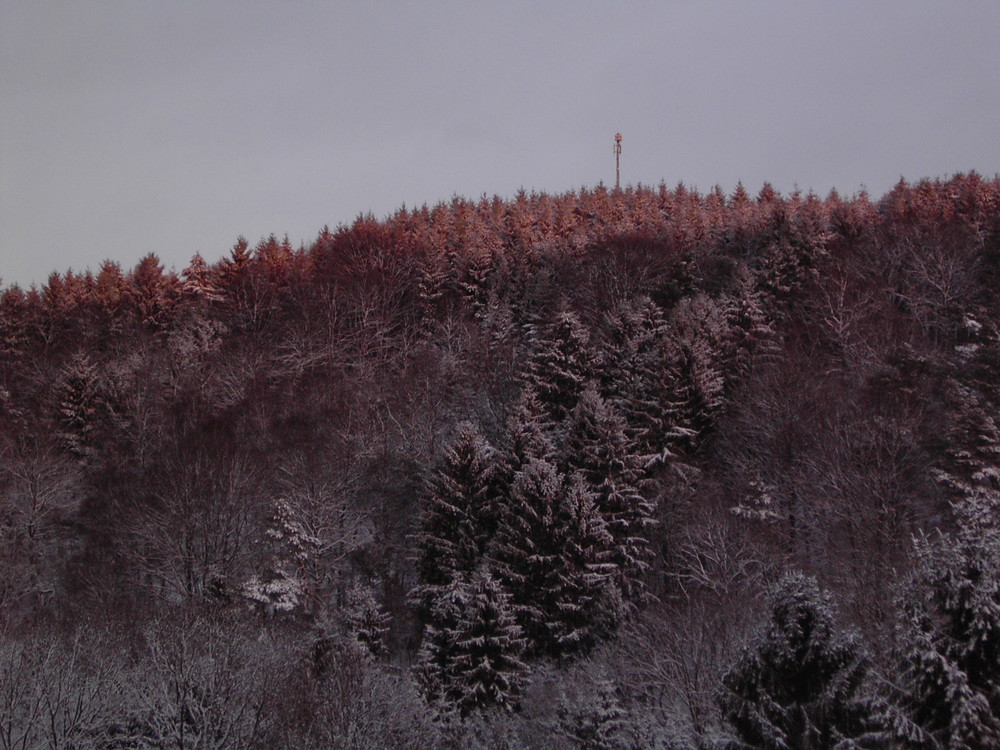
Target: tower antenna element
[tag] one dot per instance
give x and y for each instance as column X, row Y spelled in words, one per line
column 618, row 158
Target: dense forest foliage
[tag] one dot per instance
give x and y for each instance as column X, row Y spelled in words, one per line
column 610, row 469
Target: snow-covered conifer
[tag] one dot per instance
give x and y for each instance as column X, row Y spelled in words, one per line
column 560, row 363
column 972, row 469
column 528, row 437
column 524, row 546
column 470, row 659
column 554, row 553
column 596, row 720
column 630, row 373
column 800, row 684
column 950, row 642
column 151, row 292
column 587, row 601
column 198, row 281
column 79, row 403
column 460, row 513
column 597, row 447
column 434, row 284
column 667, row 378
column 366, row 620
column 750, row 333
column 282, row 585
column 632, row 334
column 695, row 354
column 790, row 257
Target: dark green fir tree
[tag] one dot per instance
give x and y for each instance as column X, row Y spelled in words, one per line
column 801, row 684
column 471, row 655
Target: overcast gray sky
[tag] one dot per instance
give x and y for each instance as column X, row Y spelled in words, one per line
column 135, row 126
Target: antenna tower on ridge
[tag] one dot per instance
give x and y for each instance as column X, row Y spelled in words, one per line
column 618, row 157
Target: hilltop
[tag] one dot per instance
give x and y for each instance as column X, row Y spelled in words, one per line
column 533, row 463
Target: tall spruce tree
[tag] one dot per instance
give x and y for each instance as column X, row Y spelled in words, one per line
column 630, row 366
column 596, row 720
column 554, row 553
column 666, row 378
column 560, row 363
column 528, row 437
column 366, row 620
column 971, row 469
column 631, row 333
column 695, row 355
column 79, row 404
column 950, row 635
column 950, row 695
column 471, row 656
column 800, row 685
column 282, row 584
column 460, row 513
column 198, row 281
column 597, row 447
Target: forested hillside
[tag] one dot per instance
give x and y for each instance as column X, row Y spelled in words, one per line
column 607, row 469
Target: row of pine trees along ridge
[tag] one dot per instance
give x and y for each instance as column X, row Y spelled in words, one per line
column 641, row 468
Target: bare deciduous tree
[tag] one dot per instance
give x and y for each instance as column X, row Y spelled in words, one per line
column 58, row 695
column 192, row 536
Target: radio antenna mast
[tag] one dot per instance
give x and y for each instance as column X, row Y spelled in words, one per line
column 618, row 157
